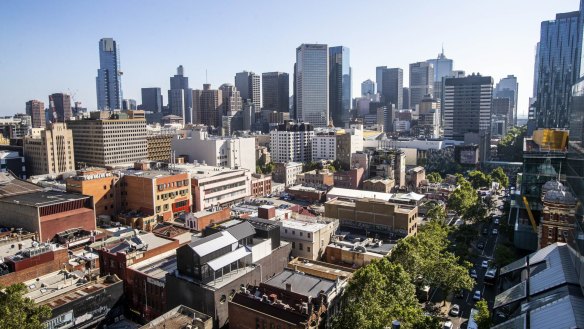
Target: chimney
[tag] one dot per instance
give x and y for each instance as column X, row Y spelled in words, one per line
column 288, row 286
column 20, row 246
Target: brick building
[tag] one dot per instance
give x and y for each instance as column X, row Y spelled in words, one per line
column 316, row 178
column 199, row 220
column 27, row 259
column 558, row 214
column 261, row 185
column 352, row 179
column 101, row 184
column 378, row 184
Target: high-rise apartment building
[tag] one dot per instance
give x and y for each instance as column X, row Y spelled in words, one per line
column 442, row 68
column 60, row 107
column 152, row 99
column 311, row 77
column 558, row 68
column 421, row 81
column 109, row 76
column 109, row 139
column 276, row 91
column 50, row 150
column 180, row 82
column 231, row 99
column 36, row 110
column 339, row 85
column 393, row 83
column 508, row 88
column 467, row 105
column 248, row 84
column 367, row 87
column 207, row 106
column 292, row 142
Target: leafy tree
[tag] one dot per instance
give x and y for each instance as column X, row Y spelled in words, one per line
column 465, row 233
column 483, row 316
column 463, row 198
column 510, row 147
column 428, row 322
column 442, row 161
column 478, row 212
column 17, row 311
column 478, row 179
column 503, row 255
column 437, row 213
column 434, row 177
column 500, row 177
column 376, row 295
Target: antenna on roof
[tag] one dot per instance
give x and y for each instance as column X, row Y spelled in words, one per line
column 206, row 80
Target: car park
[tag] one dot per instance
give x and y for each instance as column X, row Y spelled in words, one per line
column 455, row 310
column 477, row 295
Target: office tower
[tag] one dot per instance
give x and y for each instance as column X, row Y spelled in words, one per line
column 467, row 105
column 276, row 91
column 442, row 69
column 60, row 107
column 508, row 88
column 312, row 84
column 248, row 84
column 291, row 142
column 152, row 99
column 558, row 69
column 207, row 106
column 339, row 85
column 379, row 77
column 36, row 110
column 428, row 118
column 180, row 82
column 176, row 103
column 109, row 139
column 406, row 98
column 231, row 99
column 129, row 104
column 421, row 82
column 109, row 76
column 392, row 90
column 577, row 113
column 367, row 87
column 535, row 71
column 49, row 151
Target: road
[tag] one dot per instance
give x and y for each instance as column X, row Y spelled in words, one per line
column 488, row 292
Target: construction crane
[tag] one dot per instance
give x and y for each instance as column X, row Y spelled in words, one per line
column 533, row 224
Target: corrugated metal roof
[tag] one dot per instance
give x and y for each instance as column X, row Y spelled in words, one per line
column 219, row 263
column 567, row 312
column 517, row 292
column 560, row 270
column 213, row 242
column 241, row 231
column 518, row 322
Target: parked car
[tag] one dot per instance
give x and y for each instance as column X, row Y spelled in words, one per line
column 496, row 220
column 485, row 264
column 473, row 273
column 455, row 310
column 495, row 231
column 481, row 245
column 447, row 325
column 477, row 295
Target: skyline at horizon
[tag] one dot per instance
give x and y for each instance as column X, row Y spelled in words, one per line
column 79, row 78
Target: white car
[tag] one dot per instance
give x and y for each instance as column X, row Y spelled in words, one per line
column 455, row 310
column 495, row 231
column 485, row 264
column 477, row 295
column 447, row 325
column 496, row 220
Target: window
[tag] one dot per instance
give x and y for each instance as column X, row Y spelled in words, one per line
column 293, row 245
column 300, row 233
column 309, row 235
column 300, row 246
column 308, row 249
column 293, row 232
column 222, row 299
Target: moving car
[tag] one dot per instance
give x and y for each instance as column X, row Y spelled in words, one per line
column 495, row 231
column 485, row 264
column 477, row 295
column 455, row 310
column 473, row 273
column 496, row 220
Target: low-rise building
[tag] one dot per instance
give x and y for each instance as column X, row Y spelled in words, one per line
column 287, row 173
column 415, row 177
column 181, row 317
column 378, row 184
column 352, row 179
column 321, row 269
column 199, row 220
column 307, row 193
column 261, row 185
column 375, row 215
column 410, row 198
column 356, row 252
column 316, row 178
column 99, row 183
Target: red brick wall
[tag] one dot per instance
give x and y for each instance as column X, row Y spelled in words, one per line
column 216, row 217
column 56, row 263
column 53, row 224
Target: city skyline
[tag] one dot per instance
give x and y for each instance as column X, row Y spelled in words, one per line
column 69, row 57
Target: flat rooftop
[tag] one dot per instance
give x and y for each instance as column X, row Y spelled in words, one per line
column 10, row 185
column 12, row 248
column 345, row 193
column 203, row 171
column 147, row 241
column 302, row 225
column 43, row 198
column 323, row 267
column 157, row 267
column 303, row 284
column 151, row 174
column 179, row 317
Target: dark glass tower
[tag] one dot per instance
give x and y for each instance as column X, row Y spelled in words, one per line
column 180, row 82
column 339, row 85
column 109, row 76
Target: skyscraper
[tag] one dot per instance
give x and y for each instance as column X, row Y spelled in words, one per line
column 184, row 106
column 207, row 106
column 421, row 82
column 248, row 84
column 442, row 68
column 60, row 107
column 276, row 91
column 508, row 88
column 406, row 98
column 367, row 87
column 312, row 84
column 393, row 83
column 36, row 110
column 339, row 85
column 379, row 77
column 109, row 76
column 558, row 68
column 467, row 105
column 231, row 99
column 152, row 99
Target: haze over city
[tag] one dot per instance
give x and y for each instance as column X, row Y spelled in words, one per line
column 52, row 47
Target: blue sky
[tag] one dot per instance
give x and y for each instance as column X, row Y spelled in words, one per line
column 52, row 46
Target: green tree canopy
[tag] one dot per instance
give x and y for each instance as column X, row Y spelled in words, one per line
column 437, row 213
column 503, row 255
column 510, row 147
column 18, row 312
column 483, row 316
column 434, row 177
column 500, row 177
column 463, row 198
column 479, row 179
column 376, row 295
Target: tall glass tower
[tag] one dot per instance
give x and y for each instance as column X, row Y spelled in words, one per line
column 184, row 106
column 109, row 76
column 311, row 78
column 339, row 85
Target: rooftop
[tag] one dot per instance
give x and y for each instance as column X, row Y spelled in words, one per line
column 199, row 171
column 344, row 193
column 335, row 270
column 302, row 225
column 158, row 266
column 151, row 174
column 11, row 249
column 303, row 284
column 43, row 198
column 10, row 186
column 147, row 241
column 179, row 317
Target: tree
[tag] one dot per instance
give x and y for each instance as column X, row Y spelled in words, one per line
column 478, row 179
column 482, row 316
column 503, row 255
column 437, row 213
column 510, row 147
column 17, row 311
column 376, row 295
column 434, row 177
column 428, row 322
column 463, row 198
column 500, row 177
